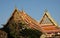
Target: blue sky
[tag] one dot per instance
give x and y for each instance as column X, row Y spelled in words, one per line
column 34, row 8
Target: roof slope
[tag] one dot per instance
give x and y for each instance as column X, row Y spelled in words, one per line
column 49, row 29
column 30, row 21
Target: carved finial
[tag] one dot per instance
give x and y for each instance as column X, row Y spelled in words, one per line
column 22, row 10
column 16, row 9
column 46, row 10
column 15, row 6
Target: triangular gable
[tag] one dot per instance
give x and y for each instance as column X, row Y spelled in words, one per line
column 47, row 19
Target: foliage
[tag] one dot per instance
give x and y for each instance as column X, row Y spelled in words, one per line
column 30, row 33
column 19, row 30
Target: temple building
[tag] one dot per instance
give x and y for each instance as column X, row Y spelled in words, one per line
column 47, row 25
